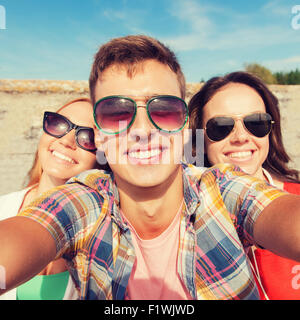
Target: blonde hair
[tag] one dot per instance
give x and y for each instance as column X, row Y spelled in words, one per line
column 34, row 174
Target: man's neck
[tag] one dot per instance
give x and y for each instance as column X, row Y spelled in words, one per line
column 151, row 210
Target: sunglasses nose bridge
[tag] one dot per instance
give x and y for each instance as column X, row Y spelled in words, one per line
column 69, row 139
column 141, row 106
column 73, row 126
column 239, row 132
column 141, row 123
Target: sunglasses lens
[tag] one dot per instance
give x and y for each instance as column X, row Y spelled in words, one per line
column 259, row 124
column 168, row 113
column 219, row 128
column 85, row 138
column 55, row 125
column 114, row 114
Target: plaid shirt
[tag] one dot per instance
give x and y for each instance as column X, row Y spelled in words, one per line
column 221, row 205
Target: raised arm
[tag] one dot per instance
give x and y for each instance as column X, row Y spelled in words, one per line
column 26, row 247
column 278, row 227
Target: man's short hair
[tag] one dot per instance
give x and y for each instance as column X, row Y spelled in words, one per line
column 129, row 51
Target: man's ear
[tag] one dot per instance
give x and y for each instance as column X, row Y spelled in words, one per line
column 186, row 130
column 187, row 125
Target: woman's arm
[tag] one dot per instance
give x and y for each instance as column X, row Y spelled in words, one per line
column 26, row 248
column 278, row 227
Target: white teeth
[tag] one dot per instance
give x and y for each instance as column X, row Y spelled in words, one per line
column 62, row 156
column 242, row 154
column 144, row 154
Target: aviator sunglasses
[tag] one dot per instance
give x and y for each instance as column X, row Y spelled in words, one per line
column 257, row 124
column 56, row 125
column 115, row 114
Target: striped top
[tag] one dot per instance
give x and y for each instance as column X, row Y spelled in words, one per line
column 220, row 207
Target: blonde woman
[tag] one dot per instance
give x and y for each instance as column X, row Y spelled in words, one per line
column 66, row 148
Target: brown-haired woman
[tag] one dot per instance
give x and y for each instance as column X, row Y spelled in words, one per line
column 241, row 121
column 62, row 153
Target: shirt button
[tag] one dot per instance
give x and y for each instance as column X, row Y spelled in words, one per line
column 130, row 252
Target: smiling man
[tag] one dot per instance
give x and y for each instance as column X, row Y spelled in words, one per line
column 151, row 228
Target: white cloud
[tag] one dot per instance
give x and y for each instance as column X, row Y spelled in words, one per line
column 113, row 15
column 207, row 32
column 129, row 21
column 237, row 39
column 285, row 64
column 277, row 8
column 194, row 14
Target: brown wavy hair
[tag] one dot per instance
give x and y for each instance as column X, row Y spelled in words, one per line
column 277, row 160
column 34, row 174
column 129, row 51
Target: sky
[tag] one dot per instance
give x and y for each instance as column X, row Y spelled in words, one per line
column 58, row 39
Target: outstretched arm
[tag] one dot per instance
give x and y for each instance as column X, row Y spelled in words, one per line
column 55, row 223
column 278, row 227
column 264, row 215
column 26, row 248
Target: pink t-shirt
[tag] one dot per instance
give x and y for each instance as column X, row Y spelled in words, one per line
column 154, row 275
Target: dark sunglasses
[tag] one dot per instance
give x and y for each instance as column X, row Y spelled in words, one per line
column 115, row 114
column 258, row 124
column 58, row 126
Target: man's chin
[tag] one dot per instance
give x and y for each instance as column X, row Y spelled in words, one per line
column 145, row 176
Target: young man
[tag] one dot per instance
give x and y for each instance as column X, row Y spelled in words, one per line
column 152, row 228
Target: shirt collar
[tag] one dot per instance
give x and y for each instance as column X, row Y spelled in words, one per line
column 191, row 177
column 191, row 182
column 104, row 183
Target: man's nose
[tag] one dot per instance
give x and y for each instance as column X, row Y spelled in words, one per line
column 142, row 127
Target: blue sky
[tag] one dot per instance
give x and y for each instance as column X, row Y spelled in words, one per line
column 57, row 39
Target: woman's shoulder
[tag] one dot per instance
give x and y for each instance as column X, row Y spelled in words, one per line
column 13, row 196
column 292, row 187
column 10, row 203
